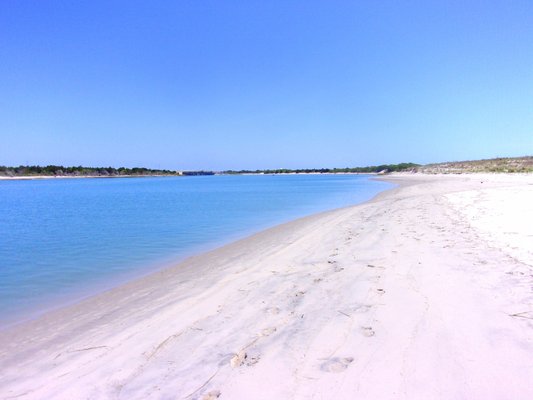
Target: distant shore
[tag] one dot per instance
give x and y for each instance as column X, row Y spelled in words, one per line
column 33, row 171
column 497, row 165
column 32, row 177
column 420, row 293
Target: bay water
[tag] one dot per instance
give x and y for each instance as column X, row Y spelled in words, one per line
column 64, row 239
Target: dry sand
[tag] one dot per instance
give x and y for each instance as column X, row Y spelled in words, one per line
column 423, row 293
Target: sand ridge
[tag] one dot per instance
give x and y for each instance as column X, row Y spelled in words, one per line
column 409, row 296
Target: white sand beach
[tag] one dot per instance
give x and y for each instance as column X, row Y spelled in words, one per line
column 423, row 293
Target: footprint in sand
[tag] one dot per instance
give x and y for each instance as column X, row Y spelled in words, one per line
column 212, row 395
column 363, row 308
column 243, row 358
column 252, row 360
column 268, row 331
column 336, row 364
column 335, row 252
column 367, row 331
column 272, row 310
column 238, row 359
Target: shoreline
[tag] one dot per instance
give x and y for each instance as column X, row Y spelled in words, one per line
column 251, row 299
column 376, row 174
column 37, row 177
column 170, row 261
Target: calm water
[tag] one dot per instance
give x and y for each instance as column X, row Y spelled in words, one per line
column 64, row 239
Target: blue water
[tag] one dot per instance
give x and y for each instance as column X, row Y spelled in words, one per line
column 64, row 239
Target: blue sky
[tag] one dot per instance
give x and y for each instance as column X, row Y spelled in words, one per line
column 264, row 84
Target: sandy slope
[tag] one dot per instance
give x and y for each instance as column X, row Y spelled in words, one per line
column 424, row 293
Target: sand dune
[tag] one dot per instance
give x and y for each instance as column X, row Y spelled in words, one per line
column 423, row 293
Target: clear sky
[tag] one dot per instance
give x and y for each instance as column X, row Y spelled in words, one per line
column 264, row 84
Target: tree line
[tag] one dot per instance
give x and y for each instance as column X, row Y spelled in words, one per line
column 370, row 169
column 59, row 170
